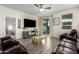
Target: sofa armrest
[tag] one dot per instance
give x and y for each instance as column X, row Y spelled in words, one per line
column 53, row 52
column 5, row 38
column 1, row 52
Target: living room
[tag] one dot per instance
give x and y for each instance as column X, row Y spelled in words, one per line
column 38, row 27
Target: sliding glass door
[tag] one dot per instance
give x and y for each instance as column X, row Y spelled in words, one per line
column 45, row 26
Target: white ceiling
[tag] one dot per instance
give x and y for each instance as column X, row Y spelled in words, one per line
column 30, row 8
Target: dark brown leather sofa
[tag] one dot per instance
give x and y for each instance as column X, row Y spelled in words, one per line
column 11, row 46
column 62, row 36
column 67, row 45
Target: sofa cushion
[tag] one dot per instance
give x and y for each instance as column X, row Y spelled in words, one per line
column 7, row 44
column 12, row 50
column 65, row 50
column 69, row 51
column 71, row 46
column 68, row 45
column 15, row 50
column 69, row 41
column 71, row 38
column 5, row 38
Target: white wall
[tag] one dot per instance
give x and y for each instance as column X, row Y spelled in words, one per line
column 39, row 24
column 4, row 11
column 51, row 25
column 56, row 30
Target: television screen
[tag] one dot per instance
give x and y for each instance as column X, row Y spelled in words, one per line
column 29, row 23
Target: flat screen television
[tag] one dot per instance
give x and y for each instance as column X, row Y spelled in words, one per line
column 29, row 23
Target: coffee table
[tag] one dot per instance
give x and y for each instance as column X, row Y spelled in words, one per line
column 37, row 39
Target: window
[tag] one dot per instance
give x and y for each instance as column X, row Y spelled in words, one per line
column 67, row 21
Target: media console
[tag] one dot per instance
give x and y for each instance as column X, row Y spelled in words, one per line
column 29, row 33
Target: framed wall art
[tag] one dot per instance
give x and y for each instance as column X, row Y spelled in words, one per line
column 19, row 23
column 56, row 21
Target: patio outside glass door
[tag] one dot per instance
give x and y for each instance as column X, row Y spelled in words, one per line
column 45, row 26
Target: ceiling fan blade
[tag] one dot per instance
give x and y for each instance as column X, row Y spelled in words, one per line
column 40, row 5
column 47, row 8
column 36, row 5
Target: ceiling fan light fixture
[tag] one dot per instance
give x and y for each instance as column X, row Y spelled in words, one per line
column 41, row 9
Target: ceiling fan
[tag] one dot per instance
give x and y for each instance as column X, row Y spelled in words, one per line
column 41, row 7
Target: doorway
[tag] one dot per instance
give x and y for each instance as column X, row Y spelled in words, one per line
column 10, row 27
column 46, row 26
